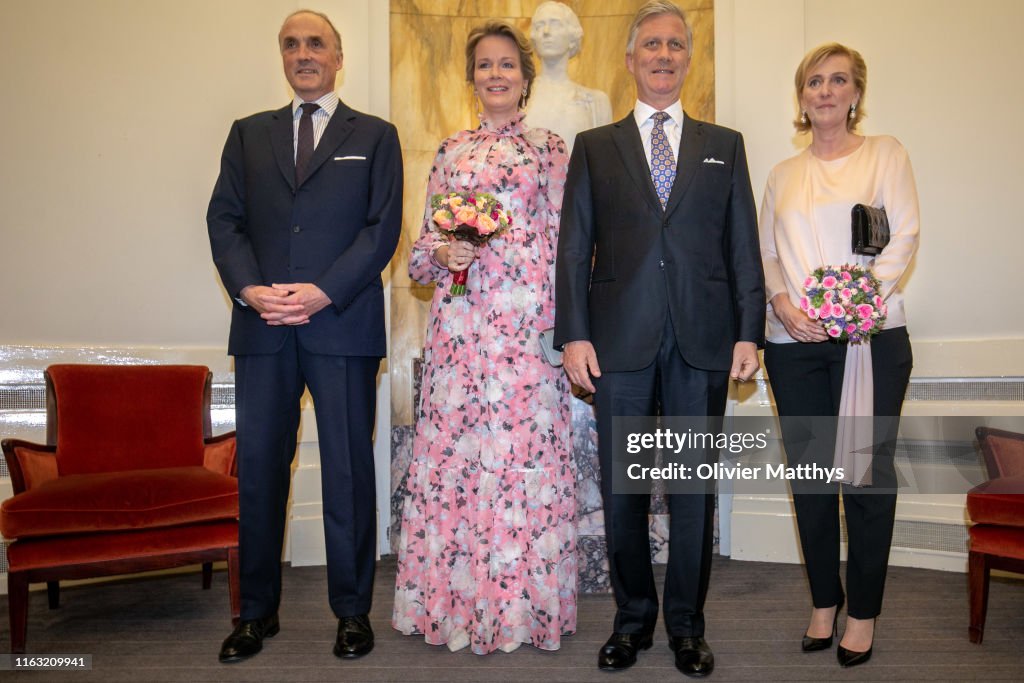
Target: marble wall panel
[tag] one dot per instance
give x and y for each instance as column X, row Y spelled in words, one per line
column 409, row 314
column 699, row 89
column 417, row 168
column 459, row 8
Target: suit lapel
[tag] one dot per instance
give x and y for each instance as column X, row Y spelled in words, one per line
column 338, row 129
column 691, row 150
column 631, row 149
column 282, row 139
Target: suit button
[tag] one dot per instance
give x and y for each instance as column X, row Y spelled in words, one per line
column 296, row 229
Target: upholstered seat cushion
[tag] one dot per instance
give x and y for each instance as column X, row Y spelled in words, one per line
column 120, row 546
column 113, row 501
column 998, row 540
column 998, row 501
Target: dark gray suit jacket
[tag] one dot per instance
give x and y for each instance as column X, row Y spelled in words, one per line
column 624, row 263
column 337, row 230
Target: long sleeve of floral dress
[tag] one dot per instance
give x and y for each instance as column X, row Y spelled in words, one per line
column 487, row 553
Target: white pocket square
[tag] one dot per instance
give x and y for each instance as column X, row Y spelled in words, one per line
column 350, row 158
column 712, row 160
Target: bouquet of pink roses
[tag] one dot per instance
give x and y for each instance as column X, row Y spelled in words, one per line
column 474, row 217
column 846, row 300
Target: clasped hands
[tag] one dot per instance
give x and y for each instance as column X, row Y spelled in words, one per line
column 286, row 304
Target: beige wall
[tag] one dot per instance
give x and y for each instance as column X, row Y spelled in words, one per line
column 115, row 115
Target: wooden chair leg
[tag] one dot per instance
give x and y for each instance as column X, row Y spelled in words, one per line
column 53, row 594
column 17, row 601
column 234, row 589
column 978, row 580
column 207, row 575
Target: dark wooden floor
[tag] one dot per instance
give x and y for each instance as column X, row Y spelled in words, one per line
column 168, row 629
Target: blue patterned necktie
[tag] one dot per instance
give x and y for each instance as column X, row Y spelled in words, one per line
column 663, row 164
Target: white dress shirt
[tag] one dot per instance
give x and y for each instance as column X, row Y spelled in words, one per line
column 673, row 126
column 328, row 103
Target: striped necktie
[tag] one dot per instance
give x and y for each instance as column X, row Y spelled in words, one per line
column 663, row 164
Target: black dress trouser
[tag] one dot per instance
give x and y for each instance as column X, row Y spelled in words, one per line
column 807, row 381
column 670, row 387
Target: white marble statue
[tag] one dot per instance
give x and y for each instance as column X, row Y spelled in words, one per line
column 556, row 102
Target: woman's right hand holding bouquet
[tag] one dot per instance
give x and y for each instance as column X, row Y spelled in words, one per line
column 456, row 256
column 799, row 326
column 467, row 220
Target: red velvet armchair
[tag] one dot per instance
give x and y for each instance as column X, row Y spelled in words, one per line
column 130, row 481
column 997, row 509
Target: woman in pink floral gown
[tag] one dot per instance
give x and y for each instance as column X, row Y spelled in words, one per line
column 487, row 556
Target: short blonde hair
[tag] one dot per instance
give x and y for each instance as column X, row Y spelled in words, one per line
column 655, row 8
column 858, row 72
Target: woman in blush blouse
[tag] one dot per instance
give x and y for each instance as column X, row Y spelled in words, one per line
column 805, row 224
column 487, row 554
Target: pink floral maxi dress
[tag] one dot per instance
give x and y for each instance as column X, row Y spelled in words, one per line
column 487, row 554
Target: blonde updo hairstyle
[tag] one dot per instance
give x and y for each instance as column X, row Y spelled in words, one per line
column 858, row 72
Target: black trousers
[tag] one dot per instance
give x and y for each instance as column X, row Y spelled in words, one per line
column 268, row 388
column 669, row 386
column 807, row 381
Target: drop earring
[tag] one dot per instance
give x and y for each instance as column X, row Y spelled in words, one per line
column 803, row 118
column 524, row 95
column 853, row 111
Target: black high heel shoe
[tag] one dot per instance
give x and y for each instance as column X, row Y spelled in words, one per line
column 848, row 658
column 812, row 644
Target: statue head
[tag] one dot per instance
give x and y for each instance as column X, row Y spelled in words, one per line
column 555, row 30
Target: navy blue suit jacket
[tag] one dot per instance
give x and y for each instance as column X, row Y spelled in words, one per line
column 338, row 229
column 624, row 263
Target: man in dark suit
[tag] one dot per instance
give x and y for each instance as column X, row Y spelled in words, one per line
column 660, row 300
column 305, row 216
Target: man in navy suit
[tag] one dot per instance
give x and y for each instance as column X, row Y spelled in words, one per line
column 305, row 215
column 659, row 300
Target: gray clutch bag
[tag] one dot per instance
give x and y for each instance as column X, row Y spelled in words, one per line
column 547, row 347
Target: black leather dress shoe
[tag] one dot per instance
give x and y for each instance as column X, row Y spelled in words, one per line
column 355, row 637
column 620, row 650
column 247, row 638
column 693, row 655
column 849, row 658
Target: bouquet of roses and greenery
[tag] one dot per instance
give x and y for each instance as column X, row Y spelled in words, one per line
column 847, row 302
column 474, row 217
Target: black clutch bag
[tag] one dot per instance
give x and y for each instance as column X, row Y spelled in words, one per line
column 870, row 227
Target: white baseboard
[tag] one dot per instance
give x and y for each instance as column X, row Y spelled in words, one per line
column 763, row 529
